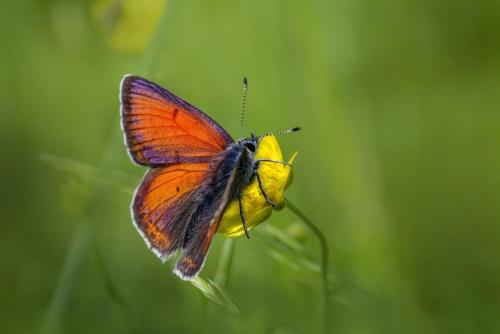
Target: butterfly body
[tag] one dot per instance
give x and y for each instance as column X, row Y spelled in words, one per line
column 196, row 168
column 247, row 165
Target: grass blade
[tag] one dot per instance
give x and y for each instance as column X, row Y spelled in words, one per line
column 216, row 294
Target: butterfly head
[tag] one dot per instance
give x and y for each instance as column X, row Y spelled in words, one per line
column 249, row 144
column 248, row 147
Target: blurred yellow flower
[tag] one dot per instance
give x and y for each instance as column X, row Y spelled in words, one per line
column 275, row 179
column 129, row 24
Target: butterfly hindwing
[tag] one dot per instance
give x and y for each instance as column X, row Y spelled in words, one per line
column 161, row 128
column 180, row 206
column 164, row 203
column 207, row 216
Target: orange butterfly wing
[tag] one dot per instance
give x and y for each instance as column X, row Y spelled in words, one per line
column 206, row 219
column 161, row 128
column 180, row 201
column 163, row 205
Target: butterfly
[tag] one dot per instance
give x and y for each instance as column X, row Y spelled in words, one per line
column 195, row 170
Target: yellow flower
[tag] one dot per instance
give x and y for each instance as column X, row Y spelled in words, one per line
column 275, row 179
column 129, row 24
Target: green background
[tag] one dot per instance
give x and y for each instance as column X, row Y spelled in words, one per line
column 399, row 164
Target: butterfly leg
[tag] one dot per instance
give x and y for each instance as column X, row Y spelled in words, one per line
column 242, row 215
column 268, row 200
column 276, row 161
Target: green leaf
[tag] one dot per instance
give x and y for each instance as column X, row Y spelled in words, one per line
column 89, row 173
column 216, row 294
column 287, row 249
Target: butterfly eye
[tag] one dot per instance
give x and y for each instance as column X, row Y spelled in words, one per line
column 250, row 147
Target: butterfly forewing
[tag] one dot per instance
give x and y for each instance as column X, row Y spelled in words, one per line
column 161, row 128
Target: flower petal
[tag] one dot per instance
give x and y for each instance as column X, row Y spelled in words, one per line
column 275, row 179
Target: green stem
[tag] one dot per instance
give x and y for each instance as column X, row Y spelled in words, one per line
column 324, row 257
column 113, row 291
column 75, row 254
column 221, row 278
column 225, row 263
column 66, row 281
column 157, row 42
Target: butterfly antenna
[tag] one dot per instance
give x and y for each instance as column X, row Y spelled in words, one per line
column 243, row 105
column 278, row 133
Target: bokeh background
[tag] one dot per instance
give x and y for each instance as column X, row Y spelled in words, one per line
column 398, row 165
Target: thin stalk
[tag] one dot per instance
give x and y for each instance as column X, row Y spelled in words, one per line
column 157, row 42
column 221, row 278
column 74, row 257
column 225, row 263
column 113, row 291
column 66, row 281
column 324, row 258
